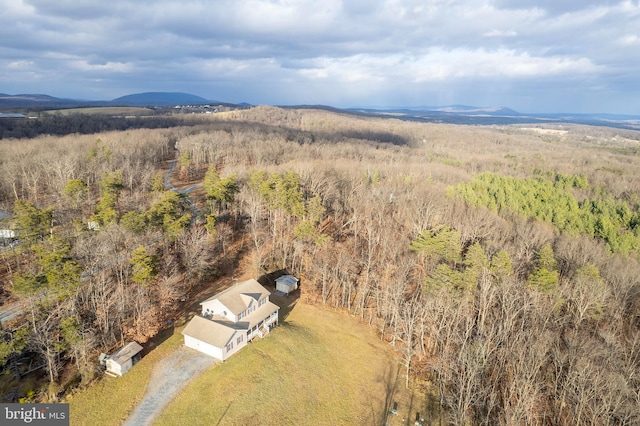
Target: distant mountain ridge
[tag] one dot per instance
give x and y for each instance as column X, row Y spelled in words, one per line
column 447, row 109
column 160, row 99
column 472, row 115
column 455, row 114
column 33, row 100
column 32, row 97
column 136, row 99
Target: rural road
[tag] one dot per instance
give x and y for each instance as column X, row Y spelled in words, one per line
column 167, row 379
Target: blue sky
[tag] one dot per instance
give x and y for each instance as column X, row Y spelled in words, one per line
column 532, row 56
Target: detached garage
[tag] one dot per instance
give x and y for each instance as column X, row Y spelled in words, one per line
column 287, row 283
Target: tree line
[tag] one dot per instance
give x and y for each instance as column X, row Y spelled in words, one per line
column 57, row 124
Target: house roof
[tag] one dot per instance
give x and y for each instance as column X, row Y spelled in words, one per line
column 240, row 296
column 218, row 332
column 126, row 352
column 209, row 331
column 289, row 280
column 259, row 314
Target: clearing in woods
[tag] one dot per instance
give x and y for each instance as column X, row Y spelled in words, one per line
column 318, row 367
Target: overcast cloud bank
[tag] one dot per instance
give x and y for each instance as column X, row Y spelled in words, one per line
column 533, row 56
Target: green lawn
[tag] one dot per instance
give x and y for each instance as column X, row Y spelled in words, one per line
column 318, row 367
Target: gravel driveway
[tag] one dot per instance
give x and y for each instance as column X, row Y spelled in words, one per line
column 167, row 379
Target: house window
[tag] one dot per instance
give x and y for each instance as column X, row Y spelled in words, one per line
column 262, row 302
column 229, row 346
column 239, row 339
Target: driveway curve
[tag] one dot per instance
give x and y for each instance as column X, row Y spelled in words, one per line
column 169, row 376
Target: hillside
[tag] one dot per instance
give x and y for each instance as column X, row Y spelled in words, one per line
column 453, row 114
column 499, row 262
column 160, row 99
column 295, row 376
column 9, row 102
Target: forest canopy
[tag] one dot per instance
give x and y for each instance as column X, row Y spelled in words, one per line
column 501, row 262
column 552, row 198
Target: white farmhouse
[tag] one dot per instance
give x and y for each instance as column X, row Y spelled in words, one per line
column 231, row 319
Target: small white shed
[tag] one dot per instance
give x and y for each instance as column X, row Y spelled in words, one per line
column 287, row 283
column 8, row 233
column 123, row 359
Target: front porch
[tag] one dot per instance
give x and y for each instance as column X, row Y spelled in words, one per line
column 261, row 329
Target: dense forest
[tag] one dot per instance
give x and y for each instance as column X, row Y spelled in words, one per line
column 501, row 262
column 59, row 124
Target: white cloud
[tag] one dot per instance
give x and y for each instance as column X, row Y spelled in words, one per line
column 18, row 65
column 500, row 33
column 440, row 64
column 629, row 40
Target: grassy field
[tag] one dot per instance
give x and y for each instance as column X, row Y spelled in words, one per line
column 110, row 401
column 319, row 367
column 128, row 111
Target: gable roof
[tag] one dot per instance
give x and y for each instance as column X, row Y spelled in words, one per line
column 240, row 296
column 209, row 331
column 124, row 353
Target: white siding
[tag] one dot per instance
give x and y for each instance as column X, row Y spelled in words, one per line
column 285, row 288
column 203, row 347
column 118, row 369
column 287, row 283
column 213, row 351
column 236, row 346
column 215, row 307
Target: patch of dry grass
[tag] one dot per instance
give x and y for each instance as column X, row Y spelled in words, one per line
column 110, row 401
column 318, row 367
